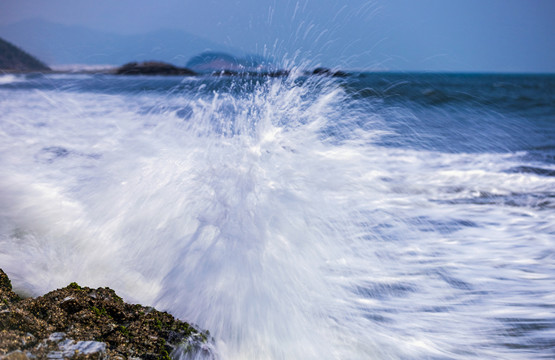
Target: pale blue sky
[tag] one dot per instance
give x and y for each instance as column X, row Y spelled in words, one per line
column 424, row 35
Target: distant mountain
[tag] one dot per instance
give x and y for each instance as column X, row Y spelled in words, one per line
column 61, row 44
column 219, row 61
column 13, row 58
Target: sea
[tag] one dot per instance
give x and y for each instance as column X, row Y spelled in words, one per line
column 373, row 216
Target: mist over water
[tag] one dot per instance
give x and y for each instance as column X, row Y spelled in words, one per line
column 294, row 218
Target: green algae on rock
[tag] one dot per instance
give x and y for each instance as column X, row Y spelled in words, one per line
column 82, row 323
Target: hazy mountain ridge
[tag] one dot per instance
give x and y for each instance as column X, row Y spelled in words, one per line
column 62, row 44
column 213, row 61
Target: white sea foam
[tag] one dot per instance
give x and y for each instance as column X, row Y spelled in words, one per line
column 10, row 78
column 237, row 211
column 83, row 67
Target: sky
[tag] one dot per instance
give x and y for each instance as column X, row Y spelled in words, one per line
column 399, row 35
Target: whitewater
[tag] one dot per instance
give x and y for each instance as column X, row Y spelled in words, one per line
column 377, row 216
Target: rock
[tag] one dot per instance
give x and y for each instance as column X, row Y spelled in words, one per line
column 7, row 296
column 83, row 323
column 16, row 355
column 152, row 68
column 276, row 73
column 328, row 72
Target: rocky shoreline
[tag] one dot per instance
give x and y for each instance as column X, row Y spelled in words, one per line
column 162, row 68
column 14, row 60
column 82, row 323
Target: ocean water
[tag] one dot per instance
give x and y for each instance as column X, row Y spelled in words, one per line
column 377, row 216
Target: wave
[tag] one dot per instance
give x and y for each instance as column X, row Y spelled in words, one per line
column 267, row 211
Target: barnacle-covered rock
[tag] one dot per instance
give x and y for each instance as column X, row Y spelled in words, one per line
column 82, row 323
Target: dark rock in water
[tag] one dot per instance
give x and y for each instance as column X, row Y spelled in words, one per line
column 83, row 323
column 276, row 73
column 13, row 58
column 226, row 73
column 152, row 68
column 532, row 170
column 328, row 72
column 321, row 71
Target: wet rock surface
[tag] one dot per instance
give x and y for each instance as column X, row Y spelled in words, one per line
column 83, row 323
